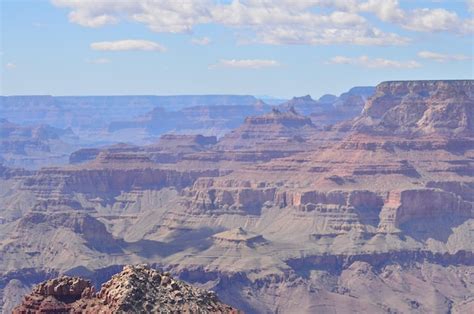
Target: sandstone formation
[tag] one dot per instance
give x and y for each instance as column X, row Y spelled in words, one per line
column 352, row 102
column 330, row 109
column 137, row 289
column 238, row 237
column 307, row 105
column 426, row 107
column 370, row 215
column 30, row 146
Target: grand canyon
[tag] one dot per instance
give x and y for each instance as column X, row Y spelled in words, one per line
column 362, row 202
column 237, row 156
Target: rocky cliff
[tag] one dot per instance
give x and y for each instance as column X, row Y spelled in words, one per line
column 420, row 107
column 135, row 289
column 32, row 146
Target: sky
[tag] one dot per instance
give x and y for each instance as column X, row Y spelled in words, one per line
column 279, row 48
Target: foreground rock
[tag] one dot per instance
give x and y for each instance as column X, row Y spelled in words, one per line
column 136, row 289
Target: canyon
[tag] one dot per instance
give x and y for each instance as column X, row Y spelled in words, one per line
column 357, row 203
column 96, row 122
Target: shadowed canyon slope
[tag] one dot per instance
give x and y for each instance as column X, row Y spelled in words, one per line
column 374, row 214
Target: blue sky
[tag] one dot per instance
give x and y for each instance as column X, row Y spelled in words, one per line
column 281, row 48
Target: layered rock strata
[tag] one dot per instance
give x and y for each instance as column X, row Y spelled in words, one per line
column 375, row 215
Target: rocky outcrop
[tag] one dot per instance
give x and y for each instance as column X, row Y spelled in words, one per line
column 135, row 289
column 228, row 196
column 173, row 140
column 425, row 205
column 88, row 154
column 286, row 130
column 289, row 118
column 173, row 148
column 83, row 224
column 238, row 237
column 420, row 107
column 51, row 182
column 307, row 105
column 351, row 103
column 33, row 146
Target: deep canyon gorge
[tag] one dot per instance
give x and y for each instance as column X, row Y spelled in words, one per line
column 362, row 202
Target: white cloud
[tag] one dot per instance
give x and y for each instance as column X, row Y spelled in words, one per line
column 312, row 22
column 470, row 5
column 418, row 19
column 98, row 61
column 10, row 65
column 432, row 20
column 280, row 22
column 128, row 44
column 290, row 22
column 439, row 57
column 84, row 19
column 317, row 36
column 201, row 41
column 159, row 15
column 367, row 62
column 93, row 13
column 385, row 10
column 245, row 63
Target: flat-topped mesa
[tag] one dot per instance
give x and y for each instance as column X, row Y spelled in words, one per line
column 173, row 141
column 289, row 118
column 420, row 108
column 115, row 158
column 88, row 154
column 238, row 237
column 137, row 289
column 172, row 148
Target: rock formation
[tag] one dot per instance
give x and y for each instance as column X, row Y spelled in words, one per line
column 372, row 215
column 422, row 107
column 134, row 290
column 351, row 103
column 238, row 237
column 307, row 105
column 31, row 146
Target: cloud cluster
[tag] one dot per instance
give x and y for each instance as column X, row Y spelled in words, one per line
column 312, row 22
column 470, row 5
column 201, row 41
column 245, row 64
column 128, row 44
column 439, row 57
column 367, row 62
